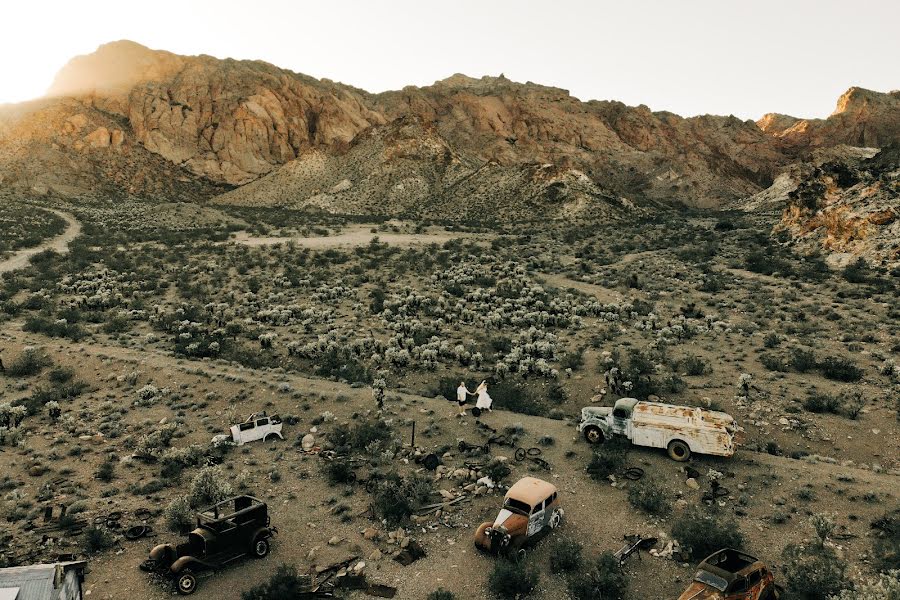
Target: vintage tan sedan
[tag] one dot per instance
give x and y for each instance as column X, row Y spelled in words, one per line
column 530, row 510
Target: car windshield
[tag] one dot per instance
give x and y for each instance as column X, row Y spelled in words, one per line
column 517, row 506
column 711, row 580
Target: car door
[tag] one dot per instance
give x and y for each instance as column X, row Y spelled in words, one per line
column 536, row 520
column 739, row 590
column 262, row 428
column 755, row 585
column 246, row 431
column 620, row 421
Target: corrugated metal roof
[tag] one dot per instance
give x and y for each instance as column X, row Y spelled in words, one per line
column 35, row 581
column 9, row 593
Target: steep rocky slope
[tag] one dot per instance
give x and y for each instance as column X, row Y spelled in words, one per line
column 408, row 169
column 845, row 200
column 68, row 147
column 631, row 150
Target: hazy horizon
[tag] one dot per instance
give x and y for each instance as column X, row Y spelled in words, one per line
column 698, row 58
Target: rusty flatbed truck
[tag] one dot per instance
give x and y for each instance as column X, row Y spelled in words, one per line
column 681, row 430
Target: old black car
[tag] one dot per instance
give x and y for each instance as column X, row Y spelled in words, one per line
column 225, row 532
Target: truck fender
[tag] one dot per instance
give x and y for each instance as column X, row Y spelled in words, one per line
column 262, row 532
column 187, row 562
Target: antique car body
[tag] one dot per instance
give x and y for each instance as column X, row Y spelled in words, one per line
column 258, row 426
column 225, row 532
column 732, row 575
column 530, row 510
column 681, row 430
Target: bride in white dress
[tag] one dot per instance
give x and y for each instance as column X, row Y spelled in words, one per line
column 484, row 400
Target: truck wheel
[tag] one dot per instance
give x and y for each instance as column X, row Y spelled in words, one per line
column 186, row 582
column 679, row 451
column 260, row 548
column 593, row 435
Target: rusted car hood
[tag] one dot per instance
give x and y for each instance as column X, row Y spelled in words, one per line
column 699, row 591
column 514, row 523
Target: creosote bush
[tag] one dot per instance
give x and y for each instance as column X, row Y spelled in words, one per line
column 208, row 486
column 649, row 496
column 441, row 594
column 604, row 580
column 608, row 458
column 179, row 515
column 705, row 532
column 97, row 539
column 566, row 555
column 285, row 584
column 512, row 579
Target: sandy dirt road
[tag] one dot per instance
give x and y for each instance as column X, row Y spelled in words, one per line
column 60, row 243
column 351, row 237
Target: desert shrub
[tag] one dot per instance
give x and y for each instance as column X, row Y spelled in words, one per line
column 362, row 436
column 572, row 360
column 608, row 458
column 773, row 362
column 771, row 340
column 285, row 584
column 97, row 539
column 53, row 327
column 208, row 486
column 886, row 544
column 511, row 579
column 812, row 572
column 441, row 594
column 27, row 364
column 565, row 555
column 857, row 272
column 694, row 365
column 516, row 398
column 339, row 472
column 603, row 581
column 803, row 360
column 705, row 532
column 341, row 363
column 107, row 471
column 395, row 498
column 649, row 496
column 884, row 586
column 179, row 515
column 497, row 470
column 819, row 402
column 840, row 369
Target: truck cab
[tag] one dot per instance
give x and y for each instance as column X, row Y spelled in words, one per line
column 681, row 430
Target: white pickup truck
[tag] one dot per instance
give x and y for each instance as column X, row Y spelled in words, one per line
column 681, row 430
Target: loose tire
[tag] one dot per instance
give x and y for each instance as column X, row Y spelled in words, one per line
column 679, row 451
column 593, row 435
column 186, row 583
column 260, row 548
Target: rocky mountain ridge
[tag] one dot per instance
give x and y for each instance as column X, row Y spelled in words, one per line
column 149, row 120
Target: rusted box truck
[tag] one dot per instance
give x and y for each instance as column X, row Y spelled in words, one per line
column 681, row 430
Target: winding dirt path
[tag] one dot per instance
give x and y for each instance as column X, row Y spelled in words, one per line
column 60, row 243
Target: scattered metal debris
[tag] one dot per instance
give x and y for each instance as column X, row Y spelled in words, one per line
column 634, row 545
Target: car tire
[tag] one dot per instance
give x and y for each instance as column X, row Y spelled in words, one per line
column 260, row 548
column 186, row 583
column 679, row 451
column 593, row 434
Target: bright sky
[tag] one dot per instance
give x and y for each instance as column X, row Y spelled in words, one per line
column 687, row 56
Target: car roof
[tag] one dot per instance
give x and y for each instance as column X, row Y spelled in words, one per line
column 530, row 490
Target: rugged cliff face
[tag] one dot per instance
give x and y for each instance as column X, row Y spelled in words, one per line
column 631, row 150
column 846, row 200
column 862, row 118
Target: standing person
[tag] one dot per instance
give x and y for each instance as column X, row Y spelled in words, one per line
column 462, row 394
column 484, row 400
